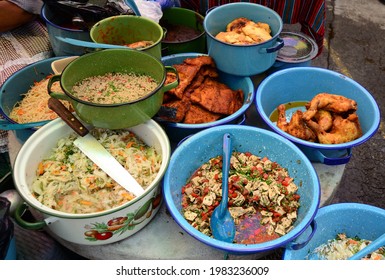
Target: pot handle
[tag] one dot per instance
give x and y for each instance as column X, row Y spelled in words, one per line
column 19, row 211
column 57, row 95
column 174, row 84
column 297, row 246
column 319, row 156
column 278, row 45
column 7, row 125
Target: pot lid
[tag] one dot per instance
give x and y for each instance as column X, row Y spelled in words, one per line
column 297, row 48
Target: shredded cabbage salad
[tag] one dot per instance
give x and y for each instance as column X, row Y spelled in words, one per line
column 69, row 181
column 343, row 247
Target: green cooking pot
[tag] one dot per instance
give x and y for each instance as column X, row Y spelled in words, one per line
column 114, row 116
column 176, row 19
column 127, row 29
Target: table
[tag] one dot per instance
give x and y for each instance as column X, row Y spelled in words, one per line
column 162, row 238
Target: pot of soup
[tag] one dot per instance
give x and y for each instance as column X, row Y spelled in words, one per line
column 114, row 88
column 185, row 32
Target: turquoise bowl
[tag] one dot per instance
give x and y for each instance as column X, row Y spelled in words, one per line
column 206, row 144
column 353, row 219
column 302, row 84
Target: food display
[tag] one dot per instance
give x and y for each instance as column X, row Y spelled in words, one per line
column 200, row 97
column 68, row 181
column 114, row 88
column 328, row 119
column 34, row 105
column 243, row 31
column 263, row 198
column 343, row 247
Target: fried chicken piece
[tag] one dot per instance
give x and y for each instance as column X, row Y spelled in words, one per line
column 187, row 72
column 217, row 97
column 174, row 111
column 205, row 71
column 343, row 130
column 237, row 24
column 331, row 102
column 234, row 38
column 201, row 61
column 324, row 119
column 257, row 31
column 296, row 127
column 197, row 114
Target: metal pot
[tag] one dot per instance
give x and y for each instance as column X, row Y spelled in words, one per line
column 183, row 17
column 76, row 228
column 242, row 60
column 114, row 116
column 126, row 29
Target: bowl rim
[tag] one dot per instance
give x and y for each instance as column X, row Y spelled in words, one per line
column 232, row 247
column 246, row 104
column 59, row 124
column 368, row 134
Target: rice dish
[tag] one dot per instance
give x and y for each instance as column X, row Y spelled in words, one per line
column 114, row 88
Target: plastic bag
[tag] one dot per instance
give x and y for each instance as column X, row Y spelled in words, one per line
column 85, row 13
column 149, row 9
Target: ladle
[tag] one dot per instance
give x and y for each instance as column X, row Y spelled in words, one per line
column 373, row 246
column 221, row 223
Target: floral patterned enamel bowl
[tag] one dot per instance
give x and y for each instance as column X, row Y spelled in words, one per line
column 95, row 228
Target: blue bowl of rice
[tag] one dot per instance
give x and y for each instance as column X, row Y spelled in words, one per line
column 178, row 131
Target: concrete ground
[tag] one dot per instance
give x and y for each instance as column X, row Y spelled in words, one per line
column 354, row 46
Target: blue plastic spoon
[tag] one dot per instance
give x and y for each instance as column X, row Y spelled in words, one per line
column 221, row 223
column 87, row 44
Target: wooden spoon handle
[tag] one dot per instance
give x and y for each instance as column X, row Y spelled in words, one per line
column 65, row 114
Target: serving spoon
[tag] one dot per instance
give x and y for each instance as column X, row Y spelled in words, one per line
column 221, row 223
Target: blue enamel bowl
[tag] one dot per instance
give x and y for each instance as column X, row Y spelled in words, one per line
column 179, row 131
column 206, row 144
column 302, row 84
column 13, row 91
column 354, row 219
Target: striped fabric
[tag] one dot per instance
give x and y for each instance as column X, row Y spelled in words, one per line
column 309, row 13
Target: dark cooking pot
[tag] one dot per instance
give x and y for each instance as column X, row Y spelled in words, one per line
column 177, row 19
column 114, row 116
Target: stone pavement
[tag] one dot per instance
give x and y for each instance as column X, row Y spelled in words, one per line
column 354, row 46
